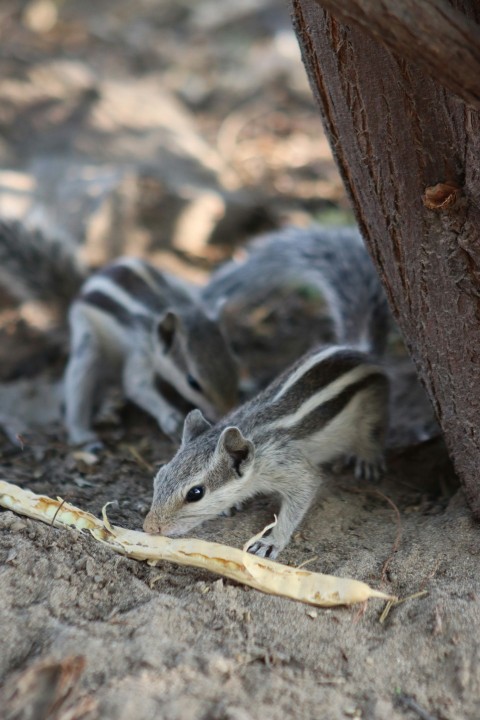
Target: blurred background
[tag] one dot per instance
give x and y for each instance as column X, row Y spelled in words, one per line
column 169, row 129
column 166, row 128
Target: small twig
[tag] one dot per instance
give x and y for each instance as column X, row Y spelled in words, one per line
column 398, row 537
column 414, row 596
column 394, row 603
column 331, row 681
column 386, row 611
column 153, row 581
column 140, row 460
column 412, row 704
column 307, row 562
column 57, row 511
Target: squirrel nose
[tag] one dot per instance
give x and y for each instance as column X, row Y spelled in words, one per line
column 151, row 524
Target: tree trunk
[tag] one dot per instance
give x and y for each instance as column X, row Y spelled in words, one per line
column 409, row 153
column 441, row 41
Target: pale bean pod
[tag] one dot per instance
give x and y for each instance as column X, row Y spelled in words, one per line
column 260, row 573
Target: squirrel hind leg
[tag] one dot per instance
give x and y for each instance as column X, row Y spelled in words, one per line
column 367, row 449
column 370, row 470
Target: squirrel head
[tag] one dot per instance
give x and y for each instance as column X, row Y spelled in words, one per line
column 192, row 354
column 210, row 472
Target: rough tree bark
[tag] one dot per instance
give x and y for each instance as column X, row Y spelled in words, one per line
column 440, row 40
column 409, row 153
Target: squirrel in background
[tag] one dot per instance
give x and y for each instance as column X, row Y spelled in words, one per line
column 131, row 323
column 293, row 289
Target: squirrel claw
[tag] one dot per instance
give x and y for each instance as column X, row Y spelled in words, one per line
column 88, row 442
column 229, row 512
column 370, row 471
column 264, row 548
column 94, row 446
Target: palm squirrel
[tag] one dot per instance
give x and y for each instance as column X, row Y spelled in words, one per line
column 330, row 404
column 129, row 323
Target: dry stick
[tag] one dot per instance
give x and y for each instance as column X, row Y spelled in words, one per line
column 421, row 593
column 139, row 459
column 399, row 601
column 58, row 510
column 413, row 596
column 307, row 562
column 386, row 612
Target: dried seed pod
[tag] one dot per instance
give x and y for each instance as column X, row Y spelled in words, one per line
column 260, row 573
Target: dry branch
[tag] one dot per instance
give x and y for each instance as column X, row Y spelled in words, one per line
column 262, row 574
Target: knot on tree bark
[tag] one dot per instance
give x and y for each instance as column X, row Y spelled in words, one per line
column 441, row 196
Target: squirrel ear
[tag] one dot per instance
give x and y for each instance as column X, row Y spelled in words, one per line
column 238, row 448
column 195, row 424
column 166, row 329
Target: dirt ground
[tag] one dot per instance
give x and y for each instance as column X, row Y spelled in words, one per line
column 175, row 130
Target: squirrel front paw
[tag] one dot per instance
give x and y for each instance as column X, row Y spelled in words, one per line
column 265, row 547
column 94, row 446
column 231, row 511
column 87, row 440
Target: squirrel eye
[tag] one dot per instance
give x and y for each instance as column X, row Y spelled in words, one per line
column 194, row 384
column 195, row 493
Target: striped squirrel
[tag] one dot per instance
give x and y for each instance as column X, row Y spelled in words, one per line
column 332, row 403
column 129, row 322
column 316, row 285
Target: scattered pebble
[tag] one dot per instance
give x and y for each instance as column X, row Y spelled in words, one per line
column 18, row 526
column 87, row 458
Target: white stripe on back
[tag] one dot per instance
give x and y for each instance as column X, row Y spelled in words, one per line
column 142, row 271
column 309, row 363
column 328, row 393
column 110, row 288
column 171, row 284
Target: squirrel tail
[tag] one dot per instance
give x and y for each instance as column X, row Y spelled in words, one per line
column 36, row 265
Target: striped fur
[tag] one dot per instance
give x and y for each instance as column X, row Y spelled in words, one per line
column 331, row 263
column 134, row 325
column 130, row 323
column 39, row 265
column 332, row 403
